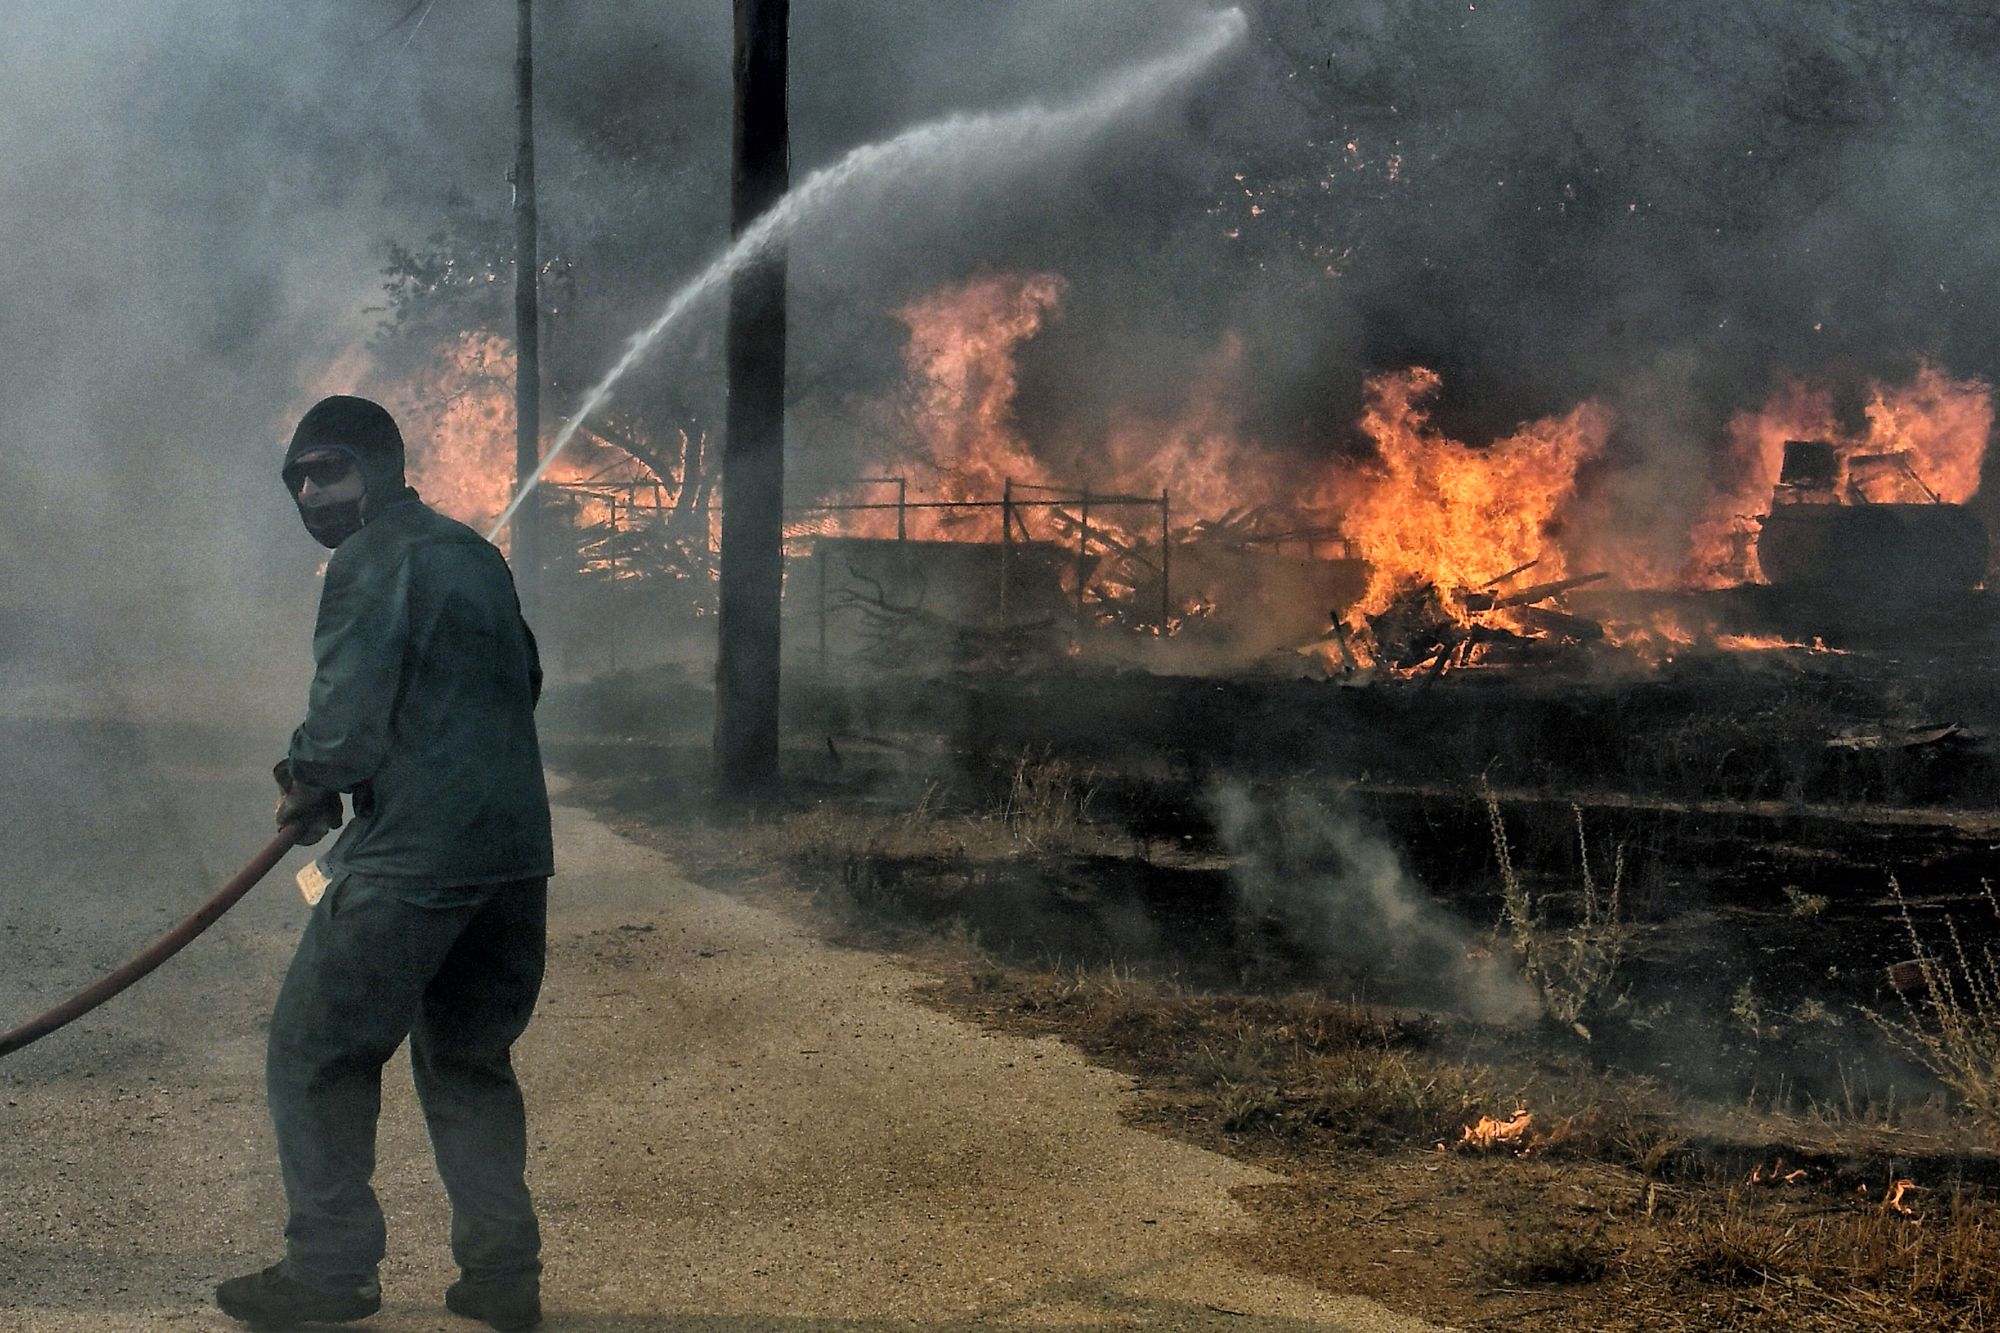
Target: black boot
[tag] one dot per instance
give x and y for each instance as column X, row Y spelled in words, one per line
column 510, row 1305
column 274, row 1299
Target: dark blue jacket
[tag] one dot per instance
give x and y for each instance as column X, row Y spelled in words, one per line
column 424, row 687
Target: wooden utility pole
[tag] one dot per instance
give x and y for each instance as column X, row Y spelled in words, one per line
column 753, row 461
column 527, row 549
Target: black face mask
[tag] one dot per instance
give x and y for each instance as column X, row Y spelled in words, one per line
column 332, row 524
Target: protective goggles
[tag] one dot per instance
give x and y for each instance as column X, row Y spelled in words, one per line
column 322, row 471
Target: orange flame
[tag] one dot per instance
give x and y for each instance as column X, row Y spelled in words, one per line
column 1426, row 509
column 1429, row 509
column 1757, row 643
column 1489, row 1133
column 1435, row 510
column 1941, row 423
column 960, row 359
column 1659, row 637
column 1200, row 457
column 1777, row 1175
column 961, row 364
column 1893, row 1201
column 461, row 452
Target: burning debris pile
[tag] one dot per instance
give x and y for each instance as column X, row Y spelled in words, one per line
column 1425, row 628
column 1404, row 552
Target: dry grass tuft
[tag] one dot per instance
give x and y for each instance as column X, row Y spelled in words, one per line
column 1048, row 803
column 1282, row 1066
column 1955, row 1029
column 1302, row 1078
column 1547, row 1253
column 1573, row 967
column 1862, row 1256
column 1044, row 812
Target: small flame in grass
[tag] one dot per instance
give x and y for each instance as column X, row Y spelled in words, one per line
column 1517, row 1132
column 1758, row 643
column 1657, row 638
column 1776, row 1174
column 1489, row 1133
column 1893, row 1201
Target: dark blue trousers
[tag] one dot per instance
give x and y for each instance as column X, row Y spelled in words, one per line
column 459, row 981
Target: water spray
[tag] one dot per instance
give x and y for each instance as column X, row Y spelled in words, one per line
column 995, row 139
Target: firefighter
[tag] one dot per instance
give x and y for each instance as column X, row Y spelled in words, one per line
column 431, row 922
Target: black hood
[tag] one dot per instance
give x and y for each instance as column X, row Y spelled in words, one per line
column 358, row 427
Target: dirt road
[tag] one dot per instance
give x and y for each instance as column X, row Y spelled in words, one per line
column 735, row 1126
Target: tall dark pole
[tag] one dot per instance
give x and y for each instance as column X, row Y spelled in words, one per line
column 527, row 332
column 753, row 462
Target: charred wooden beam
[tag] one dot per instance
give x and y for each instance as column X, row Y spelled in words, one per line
column 1483, row 601
column 1561, row 624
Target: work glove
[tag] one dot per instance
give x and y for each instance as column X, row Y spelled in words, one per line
column 316, row 810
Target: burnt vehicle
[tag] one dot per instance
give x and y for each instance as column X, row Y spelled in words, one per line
column 1866, row 526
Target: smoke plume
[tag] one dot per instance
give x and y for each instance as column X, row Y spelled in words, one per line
column 1311, row 867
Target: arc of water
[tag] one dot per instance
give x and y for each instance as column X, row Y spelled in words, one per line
column 1005, row 136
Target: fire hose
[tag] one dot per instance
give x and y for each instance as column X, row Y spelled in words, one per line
column 164, row 948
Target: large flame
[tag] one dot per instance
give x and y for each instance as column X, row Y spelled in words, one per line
column 1200, row 458
column 1436, row 510
column 960, row 359
column 961, row 362
column 459, row 416
column 1426, row 509
column 1430, row 509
